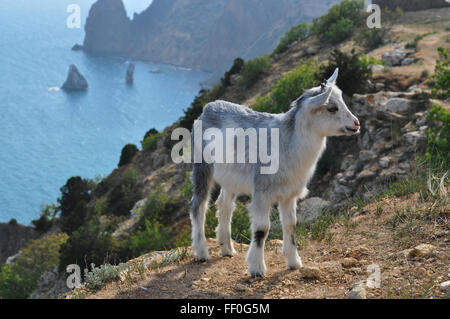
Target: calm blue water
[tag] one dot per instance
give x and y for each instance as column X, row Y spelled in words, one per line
column 47, row 136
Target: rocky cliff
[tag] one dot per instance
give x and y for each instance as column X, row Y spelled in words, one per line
column 203, row 34
column 14, row 237
column 411, row 5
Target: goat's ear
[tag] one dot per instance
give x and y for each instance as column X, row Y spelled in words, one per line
column 333, row 78
column 320, row 99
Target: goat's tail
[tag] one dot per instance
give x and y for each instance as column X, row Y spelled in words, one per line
column 202, row 180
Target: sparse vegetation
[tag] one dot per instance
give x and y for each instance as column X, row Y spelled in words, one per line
column 128, row 152
column 296, row 33
column 287, row 89
column 354, row 71
column 340, row 22
column 253, row 70
column 442, row 75
column 20, row 279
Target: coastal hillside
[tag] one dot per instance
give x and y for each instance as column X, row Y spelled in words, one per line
column 378, row 201
column 205, row 34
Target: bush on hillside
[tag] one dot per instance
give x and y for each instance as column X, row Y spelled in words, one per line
column 442, row 75
column 128, row 152
column 194, row 110
column 296, row 33
column 438, row 137
column 155, row 236
column 371, row 39
column 20, row 279
column 89, row 244
column 340, row 21
column 46, row 220
column 288, row 89
column 150, row 143
column 75, row 191
column 354, row 71
column 236, row 68
column 253, row 70
column 124, row 195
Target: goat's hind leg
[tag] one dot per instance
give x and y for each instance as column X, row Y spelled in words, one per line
column 225, row 206
column 202, row 180
column 259, row 211
column 289, row 219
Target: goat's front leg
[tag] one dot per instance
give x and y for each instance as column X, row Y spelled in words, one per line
column 259, row 211
column 224, row 213
column 289, row 219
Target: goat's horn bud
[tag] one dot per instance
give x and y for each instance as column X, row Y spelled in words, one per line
column 333, row 78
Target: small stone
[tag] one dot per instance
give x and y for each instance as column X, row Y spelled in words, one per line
column 422, row 250
column 357, row 292
column 311, row 273
column 350, row 262
column 384, row 162
column 310, row 209
column 445, row 285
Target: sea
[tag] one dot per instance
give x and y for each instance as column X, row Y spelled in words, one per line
column 48, row 135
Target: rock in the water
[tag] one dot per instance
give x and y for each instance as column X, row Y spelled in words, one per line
column 77, row 47
column 357, row 292
column 310, row 209
column 75, row 81
column 130, row 73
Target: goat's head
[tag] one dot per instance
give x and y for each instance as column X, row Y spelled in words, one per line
column 327, row 112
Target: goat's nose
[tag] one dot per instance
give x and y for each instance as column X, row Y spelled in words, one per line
column 357, row 122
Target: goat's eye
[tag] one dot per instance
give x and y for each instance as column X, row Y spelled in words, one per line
column 333, row 109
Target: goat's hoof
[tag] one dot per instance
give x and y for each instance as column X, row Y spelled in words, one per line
column 228, row 253
column 257, row 275
column 295, row 266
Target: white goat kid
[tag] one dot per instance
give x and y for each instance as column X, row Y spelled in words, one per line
column 318, row 113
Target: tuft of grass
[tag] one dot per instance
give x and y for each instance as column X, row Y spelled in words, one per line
column 97, row 277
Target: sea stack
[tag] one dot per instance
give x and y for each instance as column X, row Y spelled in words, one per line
column 130, row 73
column 75, row 81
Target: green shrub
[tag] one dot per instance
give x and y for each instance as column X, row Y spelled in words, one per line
column 370, row 38
column 150, row 143
column 89, row 244
column 373, row 38
column 47, row 218
column 253, row 70
column 340, row 31
column 195, row 109
column 153, row 237
column 20, row 279
column 413, row 44
column 340, row 21
column 296, row 33
column 236, row 68
column 75, row 191
column 438, row 136
column 442, row 75
column 128, row 152
column 76, row 219
column 354, row 71
column 159, row 206
column 99, row 276
column 287, row 89
column 124, row 195
column 186, row 190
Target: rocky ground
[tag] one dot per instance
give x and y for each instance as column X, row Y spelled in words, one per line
column 412, row 261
